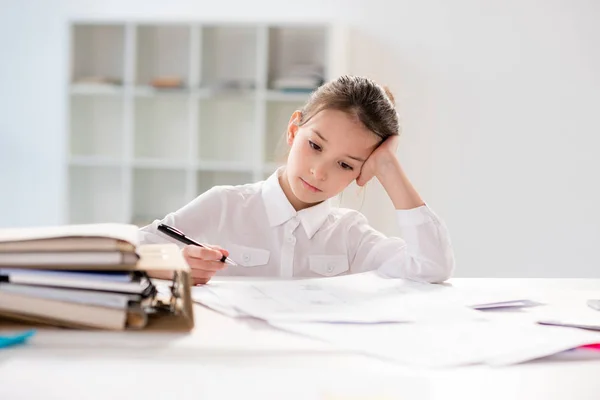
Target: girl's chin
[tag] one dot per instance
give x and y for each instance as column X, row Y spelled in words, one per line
column 308, row 198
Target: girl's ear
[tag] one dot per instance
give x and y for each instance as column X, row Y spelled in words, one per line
column 293, row 127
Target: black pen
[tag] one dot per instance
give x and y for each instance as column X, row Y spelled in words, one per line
column 178, row 235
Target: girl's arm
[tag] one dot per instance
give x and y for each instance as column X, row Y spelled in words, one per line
column 384, row 165
column 424, row 251
column 197, row 219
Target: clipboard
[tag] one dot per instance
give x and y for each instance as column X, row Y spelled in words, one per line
column 170, row 311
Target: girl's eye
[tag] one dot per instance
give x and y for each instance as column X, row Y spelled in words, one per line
column 314, row 145
column 346, row 166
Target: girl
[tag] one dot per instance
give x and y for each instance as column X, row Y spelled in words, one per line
column 285, row 226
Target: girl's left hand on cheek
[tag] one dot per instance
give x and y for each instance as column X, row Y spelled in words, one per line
column 378, row 160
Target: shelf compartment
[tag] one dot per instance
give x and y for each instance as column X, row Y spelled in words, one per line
column 229, row 55
column 207, row 179
column 294, row 46
column 162, row 126
column 96, row 126
column 156, row 193
column 95, row 195
column 227, row 130
column 98, row 53
column 163, row 51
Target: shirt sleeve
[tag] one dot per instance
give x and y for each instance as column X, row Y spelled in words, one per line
column 197, row 219
column 422, row 253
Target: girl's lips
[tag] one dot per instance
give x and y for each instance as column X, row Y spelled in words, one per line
column 309, row 186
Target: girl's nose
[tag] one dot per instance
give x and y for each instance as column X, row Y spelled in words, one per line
column 319, row 172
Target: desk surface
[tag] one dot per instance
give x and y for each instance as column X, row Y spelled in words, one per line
column 245, row 358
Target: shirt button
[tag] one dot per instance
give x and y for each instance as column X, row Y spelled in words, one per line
column 246, row 257
column 291, row 239
column 330, row 267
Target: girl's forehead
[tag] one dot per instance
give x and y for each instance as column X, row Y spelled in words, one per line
column 343, row 129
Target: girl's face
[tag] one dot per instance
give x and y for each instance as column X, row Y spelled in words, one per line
column 326, row 155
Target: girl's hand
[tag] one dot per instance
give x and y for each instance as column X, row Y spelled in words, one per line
column 381, row 158
column 204, row 262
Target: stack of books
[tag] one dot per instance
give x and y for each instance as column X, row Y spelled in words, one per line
column 82, row 276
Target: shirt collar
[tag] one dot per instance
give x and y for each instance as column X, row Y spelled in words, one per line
column 280, row 210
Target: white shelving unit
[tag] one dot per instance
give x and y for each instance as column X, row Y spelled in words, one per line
column 138, row 151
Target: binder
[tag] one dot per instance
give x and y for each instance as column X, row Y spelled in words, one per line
column 170, row 310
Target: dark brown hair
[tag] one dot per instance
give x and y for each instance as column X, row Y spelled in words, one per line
column 372, row 105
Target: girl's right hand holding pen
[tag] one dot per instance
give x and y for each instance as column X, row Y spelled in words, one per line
column 204, row 262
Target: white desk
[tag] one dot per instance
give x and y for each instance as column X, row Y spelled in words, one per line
column 229, row 358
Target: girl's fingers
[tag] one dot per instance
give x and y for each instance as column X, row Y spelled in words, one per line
column 201, row 265
column 202, row 274
column 202, row 253
column 222, row 250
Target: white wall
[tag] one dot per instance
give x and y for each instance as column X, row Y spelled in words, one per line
column 498, row 101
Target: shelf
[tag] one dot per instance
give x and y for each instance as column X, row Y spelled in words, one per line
column 206, row 180
column 220, row 45
column 139, row 149
column 162, row 128
column 96, row 89
column 98, row 51
column 295, row 97
column 95, row 195
column 94, row 161
column 96, row 126
column 163, row 51
column 227, row 130
column 156, row 193
column 151, row 91
column 207, row 93
column 157, row 163
column 278, row 118
column 227, row 166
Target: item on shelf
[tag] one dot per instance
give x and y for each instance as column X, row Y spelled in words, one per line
column 96, row 83
column 300, row 78
column 167, row 82
column 98, row 80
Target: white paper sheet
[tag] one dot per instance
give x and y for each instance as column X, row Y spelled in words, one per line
column 208, row 295
column 446, row 345
column 361, row 298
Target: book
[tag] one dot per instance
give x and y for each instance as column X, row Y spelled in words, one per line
column 65, row 258
column 111, row 281
column 89, row 297
column 62, row 313
column 82, row 237
column 55, row 297
column 66, row 244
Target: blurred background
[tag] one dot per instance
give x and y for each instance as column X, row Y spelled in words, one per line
column 126, row 110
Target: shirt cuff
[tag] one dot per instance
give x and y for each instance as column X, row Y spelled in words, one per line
column 415, row 216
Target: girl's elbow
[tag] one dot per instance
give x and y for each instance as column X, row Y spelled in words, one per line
column 431, row 271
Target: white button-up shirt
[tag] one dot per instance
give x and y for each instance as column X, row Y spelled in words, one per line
column 266, row 236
